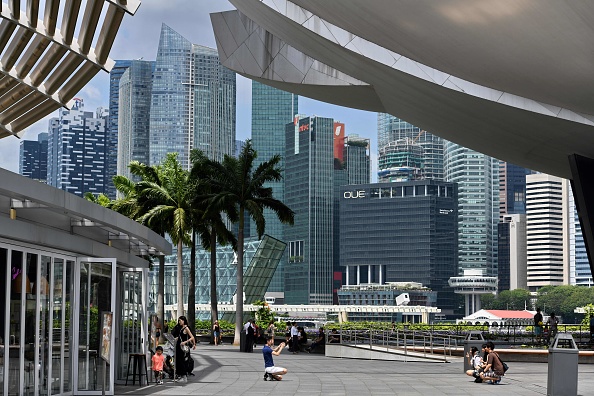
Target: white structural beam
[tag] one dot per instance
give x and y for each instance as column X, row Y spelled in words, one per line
column 512, row 107
column 42, row 67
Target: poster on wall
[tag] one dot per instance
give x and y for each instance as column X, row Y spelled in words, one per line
column 106, row 321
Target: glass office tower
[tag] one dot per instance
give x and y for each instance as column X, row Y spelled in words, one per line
column 390, row 129
column 193, row 101
column 309, row 185
column 33, row 158
column 478, row 206
column 272, row 109
column 134, row 114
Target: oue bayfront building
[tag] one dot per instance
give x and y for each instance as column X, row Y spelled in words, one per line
column 401, row 232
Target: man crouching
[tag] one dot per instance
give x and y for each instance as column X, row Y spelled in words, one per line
column 272, row 372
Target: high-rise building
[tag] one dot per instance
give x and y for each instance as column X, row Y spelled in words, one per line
column 512, row 252
column 193, row 101
column 401, row 232
column 134, row 109
column 579, row 265
column 33, row 158
column 357, row 159
column 112, row 124
column 401, row 160
column 309, row 187
column 272, row 110
column 547, row 230
column 77, row 150
column 390, row 129
column 478, row 208
column 512, row 188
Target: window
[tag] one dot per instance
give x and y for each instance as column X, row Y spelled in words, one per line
column 296, row 251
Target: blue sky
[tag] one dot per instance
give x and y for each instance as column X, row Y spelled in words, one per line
column 139, row 38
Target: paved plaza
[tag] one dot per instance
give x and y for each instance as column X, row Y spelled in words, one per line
column 223, row 370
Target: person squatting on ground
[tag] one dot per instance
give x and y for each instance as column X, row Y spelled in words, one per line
column 185, row 341
column 494, row 368
column 158, row 360
column 271, row 371
column 476, row 362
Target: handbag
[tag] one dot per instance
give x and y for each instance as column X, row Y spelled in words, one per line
column 185, row 348
column 505, row 366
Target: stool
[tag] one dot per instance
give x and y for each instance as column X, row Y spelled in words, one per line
column 140, row 364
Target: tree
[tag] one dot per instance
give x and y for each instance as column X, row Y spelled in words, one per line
column 131, row 206
column 168, row 207
column 210, row 227
column 238, row 190
column 562, row 300
column 517, row 300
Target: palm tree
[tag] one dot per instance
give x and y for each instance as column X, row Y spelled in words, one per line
column 167, row 207
column 238, row 188
column 129, row 205
column 210, row 227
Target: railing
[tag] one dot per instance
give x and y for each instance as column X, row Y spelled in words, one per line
column 407, row 342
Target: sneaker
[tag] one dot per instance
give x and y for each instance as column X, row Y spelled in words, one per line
column 161, row 382
column 478, row 380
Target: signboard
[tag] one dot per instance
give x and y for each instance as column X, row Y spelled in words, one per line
column 339, row 141
column 106, row 327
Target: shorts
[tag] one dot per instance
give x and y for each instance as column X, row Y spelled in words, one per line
column 491, row 374
column 537, row 330
column 274, row 370
column 216, row 334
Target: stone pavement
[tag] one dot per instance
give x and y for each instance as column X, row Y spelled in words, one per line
column 223, row 370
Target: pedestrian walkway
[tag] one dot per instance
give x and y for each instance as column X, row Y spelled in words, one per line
column 223, row 370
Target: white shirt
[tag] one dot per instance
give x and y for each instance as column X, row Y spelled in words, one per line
column 294, row 331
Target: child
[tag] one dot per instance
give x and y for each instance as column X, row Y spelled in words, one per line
column 476, row 362
column 158, row 360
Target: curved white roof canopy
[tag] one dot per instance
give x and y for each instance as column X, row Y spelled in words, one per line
column 511, row 79
column 43, row 67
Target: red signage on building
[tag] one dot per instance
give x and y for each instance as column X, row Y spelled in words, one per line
column 339, row 141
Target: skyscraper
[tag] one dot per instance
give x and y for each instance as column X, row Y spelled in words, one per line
column 478, row 207
column 135, row 86
column 112, row 124
column 77, row 150
column 357, row 159
column 390, row 129
column 193, row 101
column 33, row 158
column 272, row 109
column 309, row 186
column 547, row 230
column 579, row 270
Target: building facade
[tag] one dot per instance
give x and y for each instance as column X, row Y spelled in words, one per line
column 192, row 102
column 512, row 252
column 390, row 129
column 401, row 232
column 77, row 150
column 309, row 186
column 547, row 230
column 33, row 158
column 512, row 188
column 272, row 110
column 478, row 206
column 112, row 123
column 134, row 109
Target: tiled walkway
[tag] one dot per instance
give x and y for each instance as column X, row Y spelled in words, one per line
column 225, row 371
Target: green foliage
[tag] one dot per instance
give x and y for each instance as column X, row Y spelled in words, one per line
column 562, row 300
column 516, row 300
column 387, row 326
column 589, row 313
column 263, row 315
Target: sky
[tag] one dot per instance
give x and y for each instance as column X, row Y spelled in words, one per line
column 138, row 37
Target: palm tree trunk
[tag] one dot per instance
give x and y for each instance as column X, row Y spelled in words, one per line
column 180, row 280
column 161, row 294
column 192, row 287
column 239, row 292
column 214, row 313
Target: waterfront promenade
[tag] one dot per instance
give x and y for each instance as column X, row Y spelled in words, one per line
column 223, row 370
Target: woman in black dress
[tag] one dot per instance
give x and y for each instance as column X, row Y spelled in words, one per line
column 185, row 341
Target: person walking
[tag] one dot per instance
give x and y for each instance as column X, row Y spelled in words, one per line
column 538, row 325
column 216, row 331
column 295, row 338
column 185, row 341
column 553, row 323
column 249, row 336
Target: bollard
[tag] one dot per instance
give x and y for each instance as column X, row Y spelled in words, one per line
column 562, row 378
column 473, row 338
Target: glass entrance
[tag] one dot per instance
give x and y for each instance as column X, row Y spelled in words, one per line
column 96, row 285
column 133, row 318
